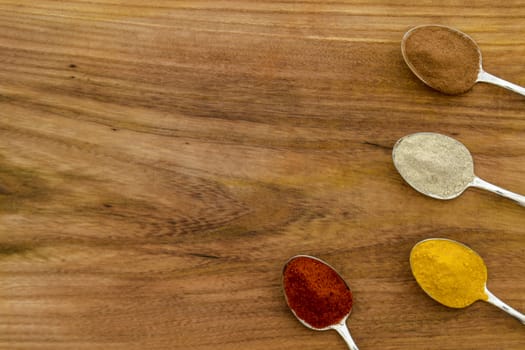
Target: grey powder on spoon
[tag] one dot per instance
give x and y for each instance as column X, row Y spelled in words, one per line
column 434, row 164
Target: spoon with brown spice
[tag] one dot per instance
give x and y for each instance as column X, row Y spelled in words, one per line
column 440, row 167
column 447, row 60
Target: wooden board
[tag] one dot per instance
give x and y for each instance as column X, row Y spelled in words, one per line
column 161, row 160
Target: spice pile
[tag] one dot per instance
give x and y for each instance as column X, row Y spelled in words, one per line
column 434, row 164
column 315, row 292
column 445, row 59
column 449, row 272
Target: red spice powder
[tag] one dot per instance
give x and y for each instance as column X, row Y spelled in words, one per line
column 315, row 292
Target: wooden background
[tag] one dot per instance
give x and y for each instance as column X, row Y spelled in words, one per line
column 161, row 160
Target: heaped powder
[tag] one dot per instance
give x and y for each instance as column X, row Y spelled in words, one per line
column 434, row 164
column 445, row 59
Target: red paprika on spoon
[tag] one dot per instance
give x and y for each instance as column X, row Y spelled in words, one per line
column 317, row 295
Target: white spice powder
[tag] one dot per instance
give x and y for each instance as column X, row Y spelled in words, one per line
column 434, row 164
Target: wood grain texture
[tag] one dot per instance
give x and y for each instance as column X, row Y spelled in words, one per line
column 161, row 160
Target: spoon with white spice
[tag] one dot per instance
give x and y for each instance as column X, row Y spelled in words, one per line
column 440, row 167
column 447, row 60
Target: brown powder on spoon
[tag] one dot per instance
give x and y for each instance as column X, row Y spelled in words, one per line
column 445, row 59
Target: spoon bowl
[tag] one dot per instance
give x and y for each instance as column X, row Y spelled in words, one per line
column 453, row 274
column 452, row 64
column 440, row 167
column 300, row 275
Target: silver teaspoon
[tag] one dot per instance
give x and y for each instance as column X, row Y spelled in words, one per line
column 447, row 60
column 318, row 296
column 440, row 167
column 463, row 275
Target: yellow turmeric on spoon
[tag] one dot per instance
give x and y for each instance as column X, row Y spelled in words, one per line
column 454, row 275
column 449, row 272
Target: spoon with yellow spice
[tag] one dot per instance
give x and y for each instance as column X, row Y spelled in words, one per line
column 453, row 275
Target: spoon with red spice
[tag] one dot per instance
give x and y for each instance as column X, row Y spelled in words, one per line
column 318, row 296
column 447, row 60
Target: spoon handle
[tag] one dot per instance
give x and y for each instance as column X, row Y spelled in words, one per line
column 494, row 300
column 485, row 77
column 479, row 183
column 343, row 331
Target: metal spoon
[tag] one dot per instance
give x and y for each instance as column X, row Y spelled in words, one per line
column 340, row 327
column 420, row 273
column 440, row 167
column 482, row 77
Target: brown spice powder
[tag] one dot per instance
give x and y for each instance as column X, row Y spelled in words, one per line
column 445, row 59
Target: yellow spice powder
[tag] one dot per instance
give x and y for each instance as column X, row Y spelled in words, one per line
column 449, row 272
